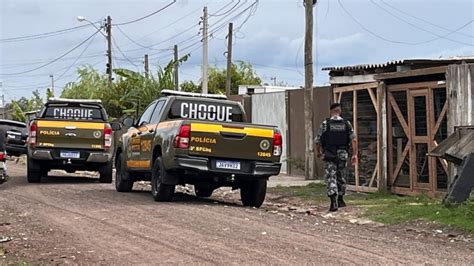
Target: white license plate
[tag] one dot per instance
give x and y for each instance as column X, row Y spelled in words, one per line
column 70, row 154
column 228, row 165
column 11, row 136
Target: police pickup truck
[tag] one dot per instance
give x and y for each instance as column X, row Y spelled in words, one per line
column 70, row 135
column 199, row 139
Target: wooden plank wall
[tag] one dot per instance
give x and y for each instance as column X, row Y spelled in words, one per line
column 460, row 92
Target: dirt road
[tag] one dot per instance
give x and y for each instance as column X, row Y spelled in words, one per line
column 77, row 220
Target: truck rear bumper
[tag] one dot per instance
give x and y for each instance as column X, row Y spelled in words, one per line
column 258, row 169
column 89, row 157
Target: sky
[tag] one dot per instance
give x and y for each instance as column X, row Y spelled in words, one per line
column 269, row 35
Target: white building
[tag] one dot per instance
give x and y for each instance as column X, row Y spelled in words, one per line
column 255, row 89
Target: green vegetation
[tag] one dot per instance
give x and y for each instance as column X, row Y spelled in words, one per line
column 391, row 209
column 130, row 92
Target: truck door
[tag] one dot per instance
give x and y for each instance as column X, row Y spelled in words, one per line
column 135, row 147
column 146, row 139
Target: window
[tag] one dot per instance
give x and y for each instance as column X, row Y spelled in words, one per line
column 147, row 114
column 73, row 112
column 155, row 118
column 206, row 110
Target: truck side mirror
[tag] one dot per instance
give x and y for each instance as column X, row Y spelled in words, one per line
column 128, row 121
column 115, row 126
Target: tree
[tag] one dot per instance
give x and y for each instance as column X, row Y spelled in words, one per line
column 23, row 105
column 242, row 73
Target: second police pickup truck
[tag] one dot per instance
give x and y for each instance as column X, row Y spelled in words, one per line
column 203, row 140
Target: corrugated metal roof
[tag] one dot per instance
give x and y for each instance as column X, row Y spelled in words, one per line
column 402, row 62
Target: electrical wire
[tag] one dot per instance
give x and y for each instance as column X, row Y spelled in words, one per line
column 136, row 43
column 147, row 16
column 418, row 27
column 54, row 60
column 77, row 59
column 42, row 35
column 392, row 40
column 228, row 11
column 122, row 53
column 424, row 20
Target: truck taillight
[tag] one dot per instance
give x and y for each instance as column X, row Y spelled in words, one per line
column 32, row 133
column 107, row 136
column 3, row 155
column 182, row 139
column 277, row 143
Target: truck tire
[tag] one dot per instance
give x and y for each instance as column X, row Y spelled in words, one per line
column 253, row 193
column 203, row 191
column 160, row 191
column 106, row 173
column 122, row 180
column 33, row 171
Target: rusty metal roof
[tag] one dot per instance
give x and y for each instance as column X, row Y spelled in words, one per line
column 450, row 60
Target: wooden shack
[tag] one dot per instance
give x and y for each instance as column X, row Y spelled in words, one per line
column 401, row 110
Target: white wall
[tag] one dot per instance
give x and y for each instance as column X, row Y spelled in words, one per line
column 270, row 109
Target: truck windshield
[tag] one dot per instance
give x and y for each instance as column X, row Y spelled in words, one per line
column 73, row 112
column 204, row 110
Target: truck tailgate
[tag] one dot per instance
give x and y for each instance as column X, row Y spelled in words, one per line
column 70, row 134
column 236, row 141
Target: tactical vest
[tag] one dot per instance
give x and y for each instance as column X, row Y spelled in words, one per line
column 336, row 137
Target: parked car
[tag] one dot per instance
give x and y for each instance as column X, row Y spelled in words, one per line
column 70, row 135
column 203, row 140
column 15, row 136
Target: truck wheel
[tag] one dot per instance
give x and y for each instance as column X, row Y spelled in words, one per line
column 106, row 173
column 160, row 191
column 203, row 191
column 253, row 193
column 33, row 171
column 122, row 181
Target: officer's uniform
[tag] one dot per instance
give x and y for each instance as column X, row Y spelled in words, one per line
column 335, row 136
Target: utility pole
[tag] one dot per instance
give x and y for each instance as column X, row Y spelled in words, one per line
column 109, row 47
column 205, row 66
column 228, row 81
column 52, row 84
column 308, row 93
column 176, row 65
column 147, row 70
column 274, row 79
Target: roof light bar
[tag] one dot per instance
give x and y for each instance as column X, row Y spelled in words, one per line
column 191, row 94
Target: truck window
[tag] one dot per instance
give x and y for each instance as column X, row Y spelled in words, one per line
column 205, row 110
column 73, row 112
column 155, row 117
column 147, row 114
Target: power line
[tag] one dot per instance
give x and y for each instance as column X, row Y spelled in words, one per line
column 424, row 20
column 77, row 59
column 392, row 40
column 136, row 43
column 54, row 60
column 226, row 12
column 120, row 50
column 147, row 16
column 417, row 27
column 42, row 35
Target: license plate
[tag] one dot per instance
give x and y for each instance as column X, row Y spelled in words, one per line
column 70, row 154
column 12, row 136
column 231, row 165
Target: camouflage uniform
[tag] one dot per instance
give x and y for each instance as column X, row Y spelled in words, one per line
column 336, row 173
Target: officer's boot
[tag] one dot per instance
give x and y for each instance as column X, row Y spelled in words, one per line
column 340, row 201
column 333, row 206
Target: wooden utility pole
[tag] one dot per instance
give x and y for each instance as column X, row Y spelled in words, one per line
column 308, row 91
column 147, row 70
column 176, row 65
column 205, row 77
column 109, row 47
column 228, row 81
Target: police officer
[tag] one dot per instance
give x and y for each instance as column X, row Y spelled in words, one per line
column 333, row 143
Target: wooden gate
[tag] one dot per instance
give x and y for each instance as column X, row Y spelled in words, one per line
column 416, row 117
